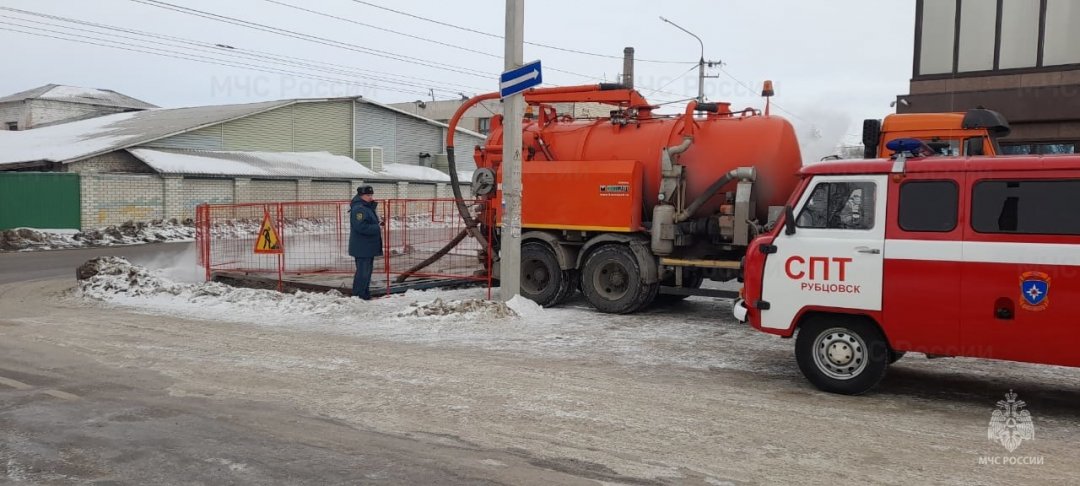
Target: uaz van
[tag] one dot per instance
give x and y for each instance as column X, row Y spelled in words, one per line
column 946, row 256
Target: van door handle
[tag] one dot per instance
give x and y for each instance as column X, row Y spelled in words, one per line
column 867, row 249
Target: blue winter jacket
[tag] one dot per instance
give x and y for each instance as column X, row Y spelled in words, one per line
column 365, row 235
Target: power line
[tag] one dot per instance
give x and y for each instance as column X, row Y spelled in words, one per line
column 411, row 36
column 489, row 34
column 81, row 39
column 322, row 40
column 773, row 103
column 661, row 89
column 219, row 49
column 316, row 39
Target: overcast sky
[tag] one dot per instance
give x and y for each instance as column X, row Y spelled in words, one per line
column 834, row 62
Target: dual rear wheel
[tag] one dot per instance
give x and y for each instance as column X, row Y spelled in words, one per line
column 542, row 279
column 610, row 278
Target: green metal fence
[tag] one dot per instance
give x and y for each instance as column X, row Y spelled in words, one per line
column 39, row 200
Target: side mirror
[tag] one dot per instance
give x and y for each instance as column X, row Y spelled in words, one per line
column 789, row 221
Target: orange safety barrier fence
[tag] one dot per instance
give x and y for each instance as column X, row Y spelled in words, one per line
column 312, row 238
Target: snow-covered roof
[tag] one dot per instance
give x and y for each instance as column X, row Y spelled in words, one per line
column 74, row 141
column 70, row 142
column 76, row 94
column 315, row 165
column 407, row 172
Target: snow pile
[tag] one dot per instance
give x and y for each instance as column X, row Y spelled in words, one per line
column 130, row 233
column 249, row 227
column 524, row 307
column 427, row 221
column 115, row 279
column 158, row 231
column 471, row 307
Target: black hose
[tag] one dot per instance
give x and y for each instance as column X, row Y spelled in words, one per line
column 434, row 257
column 471, row 225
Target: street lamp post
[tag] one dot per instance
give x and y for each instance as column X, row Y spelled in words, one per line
column 701, row 61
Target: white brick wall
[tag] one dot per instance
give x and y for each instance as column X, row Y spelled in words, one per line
column 44, row 111
column 14, row 111
column 118, row 161
column 112, row 199
column 331, row 190
column 270, row 191
column 194, row 192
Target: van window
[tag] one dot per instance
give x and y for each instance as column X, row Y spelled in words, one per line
column 839, row 205
column 1026, row 207
column 928, row 205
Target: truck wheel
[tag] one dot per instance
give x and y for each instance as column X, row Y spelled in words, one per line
column 542, row 281
column 611, row 280
column 841, row 354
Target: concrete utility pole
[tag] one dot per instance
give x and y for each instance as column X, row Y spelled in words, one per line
column 513, row 111
column 628, row 67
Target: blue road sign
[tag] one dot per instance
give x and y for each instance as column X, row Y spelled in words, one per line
column 517, row 80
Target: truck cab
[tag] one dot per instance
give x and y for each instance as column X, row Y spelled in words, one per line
column 973, row 133
column 946, row 256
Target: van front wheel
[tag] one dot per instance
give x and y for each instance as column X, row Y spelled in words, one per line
column 842, row 354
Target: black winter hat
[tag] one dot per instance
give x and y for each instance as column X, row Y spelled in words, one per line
column 365, row 190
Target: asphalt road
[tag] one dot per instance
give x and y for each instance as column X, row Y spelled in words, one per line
column 36, row 265
column 94, row 393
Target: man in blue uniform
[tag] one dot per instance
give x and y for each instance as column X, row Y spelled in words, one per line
column 365, row 239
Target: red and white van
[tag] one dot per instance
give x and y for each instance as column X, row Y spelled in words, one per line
column 946, row 256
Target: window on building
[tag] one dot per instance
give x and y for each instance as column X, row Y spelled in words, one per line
column 938, row 32
column 839, row 205
column 978, row 26
column 1026, row 207
column 1062, row 41
column 1019, row 34
column 928, row 205
column 992, row 35
column 12, row 126
column 483, row 125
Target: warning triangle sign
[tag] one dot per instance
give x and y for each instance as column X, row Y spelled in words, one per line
column 267, row 240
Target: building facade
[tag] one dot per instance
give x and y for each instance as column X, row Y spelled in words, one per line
column 53, row 103
column 1018, row 57
column 161, row 163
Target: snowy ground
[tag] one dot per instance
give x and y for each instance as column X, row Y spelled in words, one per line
column 446, row 317
column 490, row 394
column 698, row 333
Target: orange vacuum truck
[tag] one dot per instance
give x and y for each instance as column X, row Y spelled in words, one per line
column 636, row 206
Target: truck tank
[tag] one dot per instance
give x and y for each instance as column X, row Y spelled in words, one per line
column 722, row 141
column 633, row 205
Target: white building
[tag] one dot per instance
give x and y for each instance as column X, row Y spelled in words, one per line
column 54, row 103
